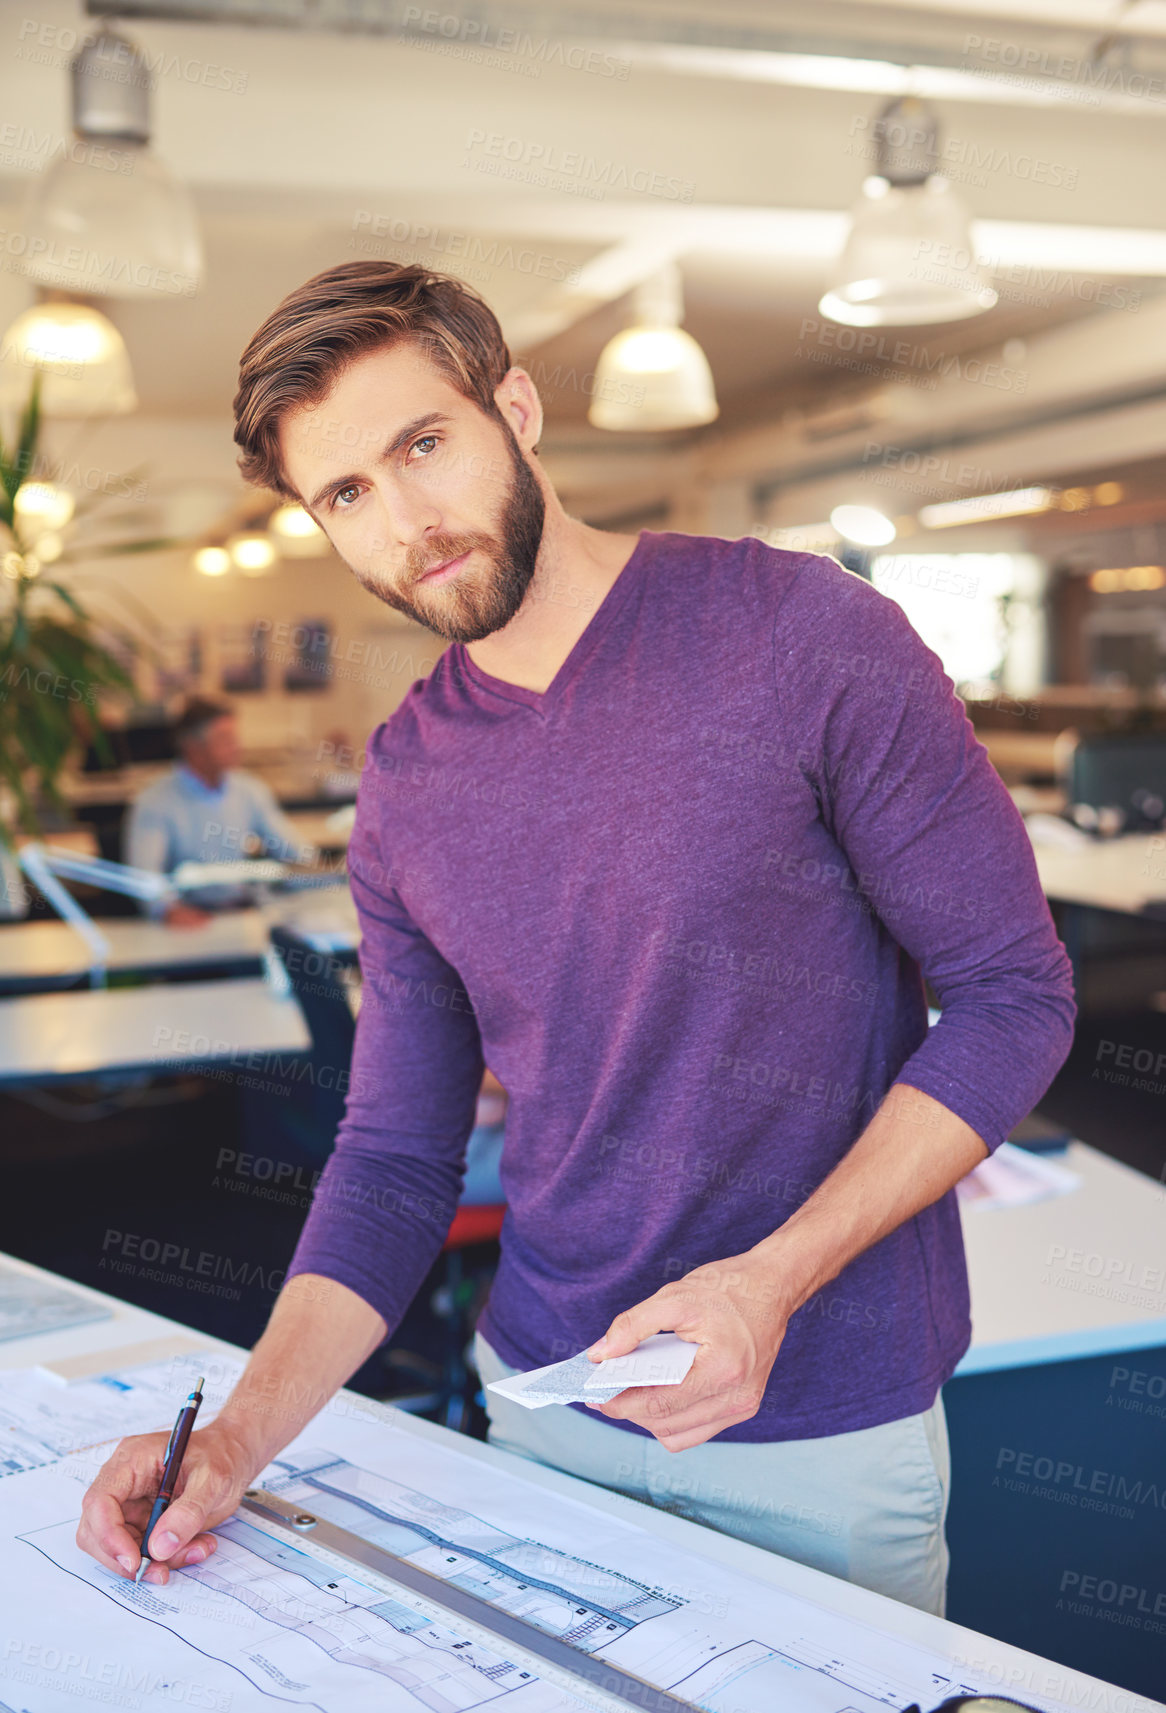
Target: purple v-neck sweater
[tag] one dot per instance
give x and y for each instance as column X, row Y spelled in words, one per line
column 682, row 903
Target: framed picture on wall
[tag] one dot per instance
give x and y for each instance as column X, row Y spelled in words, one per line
column 179, row 661
column 310, row 663
column 242, row 666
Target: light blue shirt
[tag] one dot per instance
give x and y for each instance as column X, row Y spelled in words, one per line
column 182, row 819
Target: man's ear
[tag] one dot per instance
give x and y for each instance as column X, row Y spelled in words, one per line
column 516, row 396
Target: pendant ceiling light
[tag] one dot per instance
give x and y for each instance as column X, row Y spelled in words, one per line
column 653, row 375
column 105, row 218
column 79, row 355
column 910, row 259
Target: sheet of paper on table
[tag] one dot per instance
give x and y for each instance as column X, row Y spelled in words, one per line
column 42, row 1420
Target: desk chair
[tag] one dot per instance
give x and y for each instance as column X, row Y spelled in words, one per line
column 318, row 981
column 1119, row 770
column 1117, row 778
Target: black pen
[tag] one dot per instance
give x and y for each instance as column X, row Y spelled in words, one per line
column 175, row 1452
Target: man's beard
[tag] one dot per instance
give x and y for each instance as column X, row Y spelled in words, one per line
column 474, row 605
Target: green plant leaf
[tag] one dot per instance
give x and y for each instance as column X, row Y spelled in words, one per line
column 29, row 431
column 56, row 661
column 67, row 596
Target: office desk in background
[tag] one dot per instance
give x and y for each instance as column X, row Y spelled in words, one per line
column 1057, row 1418
column 43, row 956
column 48, row 1036
column 329, row 830
column 1127, row 873
column 132, row 1332
column 1109, row 898
column 1039, row 1293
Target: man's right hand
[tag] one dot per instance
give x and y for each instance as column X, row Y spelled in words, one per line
column 216, row 1471
column 318, row 1335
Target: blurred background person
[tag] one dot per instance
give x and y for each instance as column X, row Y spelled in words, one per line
column 206, row 809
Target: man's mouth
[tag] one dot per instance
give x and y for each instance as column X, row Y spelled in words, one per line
column 448, row 568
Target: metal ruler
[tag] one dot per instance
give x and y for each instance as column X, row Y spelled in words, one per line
column 603, row 1685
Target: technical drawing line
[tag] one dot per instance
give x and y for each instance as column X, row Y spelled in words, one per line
column 217, row 1659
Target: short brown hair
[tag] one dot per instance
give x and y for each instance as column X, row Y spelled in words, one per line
column 197, row 714
column 341, row 315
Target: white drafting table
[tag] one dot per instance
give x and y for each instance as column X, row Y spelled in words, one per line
column 1077, row 1275
column 47, row 1035
column 133, row 1327
column 1125, row 873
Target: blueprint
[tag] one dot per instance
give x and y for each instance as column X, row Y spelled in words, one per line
column 270, row 1620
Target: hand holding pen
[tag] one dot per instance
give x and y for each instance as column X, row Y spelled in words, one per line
column 172, row 1465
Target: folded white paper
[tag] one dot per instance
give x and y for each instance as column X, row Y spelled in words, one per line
column 662, row 1360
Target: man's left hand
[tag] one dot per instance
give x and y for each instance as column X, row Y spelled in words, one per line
column 735, row 1311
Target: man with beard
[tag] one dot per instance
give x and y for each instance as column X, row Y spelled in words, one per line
column 670, row 838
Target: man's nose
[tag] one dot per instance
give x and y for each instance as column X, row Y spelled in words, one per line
column 408, row 518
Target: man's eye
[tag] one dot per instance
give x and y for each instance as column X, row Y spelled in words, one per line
column 429, row 440
column 338, row 496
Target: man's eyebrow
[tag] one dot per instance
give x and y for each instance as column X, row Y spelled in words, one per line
column 419, row 424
